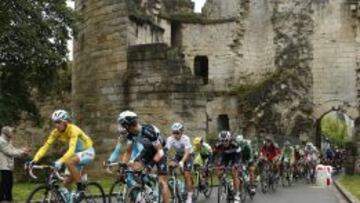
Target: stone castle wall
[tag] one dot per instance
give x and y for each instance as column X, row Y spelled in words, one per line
column 336, row 51
column 163, row 91
column 287, row 56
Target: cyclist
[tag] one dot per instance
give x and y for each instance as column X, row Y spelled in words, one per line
column 247, row 157
column 184, row 154
column 311, row 158
column 311, row 153
column 229, row 155
column 151, row 153
column 202, row 152
column 119, row 148
column 288, row 156
column 80, row 150
column 270, row 152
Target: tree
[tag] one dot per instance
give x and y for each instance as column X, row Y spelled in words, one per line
column 334, row 128
column 33, row 47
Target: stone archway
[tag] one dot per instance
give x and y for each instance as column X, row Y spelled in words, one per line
column 332, row 105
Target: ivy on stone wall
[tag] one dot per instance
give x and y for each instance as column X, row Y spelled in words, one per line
column 280, row 104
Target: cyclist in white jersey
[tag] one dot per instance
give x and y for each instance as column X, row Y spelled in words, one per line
column 184, row 155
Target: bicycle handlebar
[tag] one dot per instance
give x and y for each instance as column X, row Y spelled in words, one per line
column 30, row 168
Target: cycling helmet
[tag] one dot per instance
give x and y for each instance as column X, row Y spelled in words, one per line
column 126, row 118
column 287, row 143
column 60, row 115
column 309, row 144
column 224, row 135
column 268, row 138
column 197, row 140
column 177, row 127
column 239, row 138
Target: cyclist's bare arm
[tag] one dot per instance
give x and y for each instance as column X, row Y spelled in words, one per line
column 186, row 155
column 127, row 153
column 159, row 152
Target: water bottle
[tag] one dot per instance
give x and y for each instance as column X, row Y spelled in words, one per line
column 65, row 194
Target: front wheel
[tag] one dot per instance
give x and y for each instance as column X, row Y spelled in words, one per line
column 117, row 192
column 93, row 193
column 136, row 194
column 222, row 193
column 208, row 187
column 43, row 194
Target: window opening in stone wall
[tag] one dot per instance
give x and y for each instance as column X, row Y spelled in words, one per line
column 175, row 34
column 201, row 68
column 223, row 122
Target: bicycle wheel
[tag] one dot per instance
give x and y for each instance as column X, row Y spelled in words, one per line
column 274, row 182
column 93, row 193
column 222, row 193
column 42, row 194
column 136, row 194
column 117, row 192
column 175, row 194
column 208, row 188
column 196, row 181
column 264, row 183
column 244, row 192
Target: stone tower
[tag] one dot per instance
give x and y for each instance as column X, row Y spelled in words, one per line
column 100, row 61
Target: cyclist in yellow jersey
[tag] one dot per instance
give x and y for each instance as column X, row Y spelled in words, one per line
column 80, row 150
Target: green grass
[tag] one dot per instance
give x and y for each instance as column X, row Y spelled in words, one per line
column 22, row 190
column 352, row 184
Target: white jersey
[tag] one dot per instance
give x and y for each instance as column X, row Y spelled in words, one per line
column 179, row 145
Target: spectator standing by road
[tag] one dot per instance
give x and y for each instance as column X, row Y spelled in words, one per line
column 7, row 154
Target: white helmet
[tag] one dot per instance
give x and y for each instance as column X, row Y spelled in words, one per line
column 225, row 135
column 126, row 118
column 239, row 138
column 60, row 115
column 177, row 127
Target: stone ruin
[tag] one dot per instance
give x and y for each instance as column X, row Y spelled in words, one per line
column 250, row 66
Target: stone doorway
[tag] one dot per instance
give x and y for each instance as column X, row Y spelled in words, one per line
column 334, row 125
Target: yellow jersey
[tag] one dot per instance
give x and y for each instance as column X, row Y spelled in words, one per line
column 77, row 140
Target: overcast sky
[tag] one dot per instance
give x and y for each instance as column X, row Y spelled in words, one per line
column 198, row 5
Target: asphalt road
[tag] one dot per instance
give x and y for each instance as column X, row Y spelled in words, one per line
column 298, row 193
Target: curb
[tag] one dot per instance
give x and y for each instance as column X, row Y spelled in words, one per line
column 348, row 196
